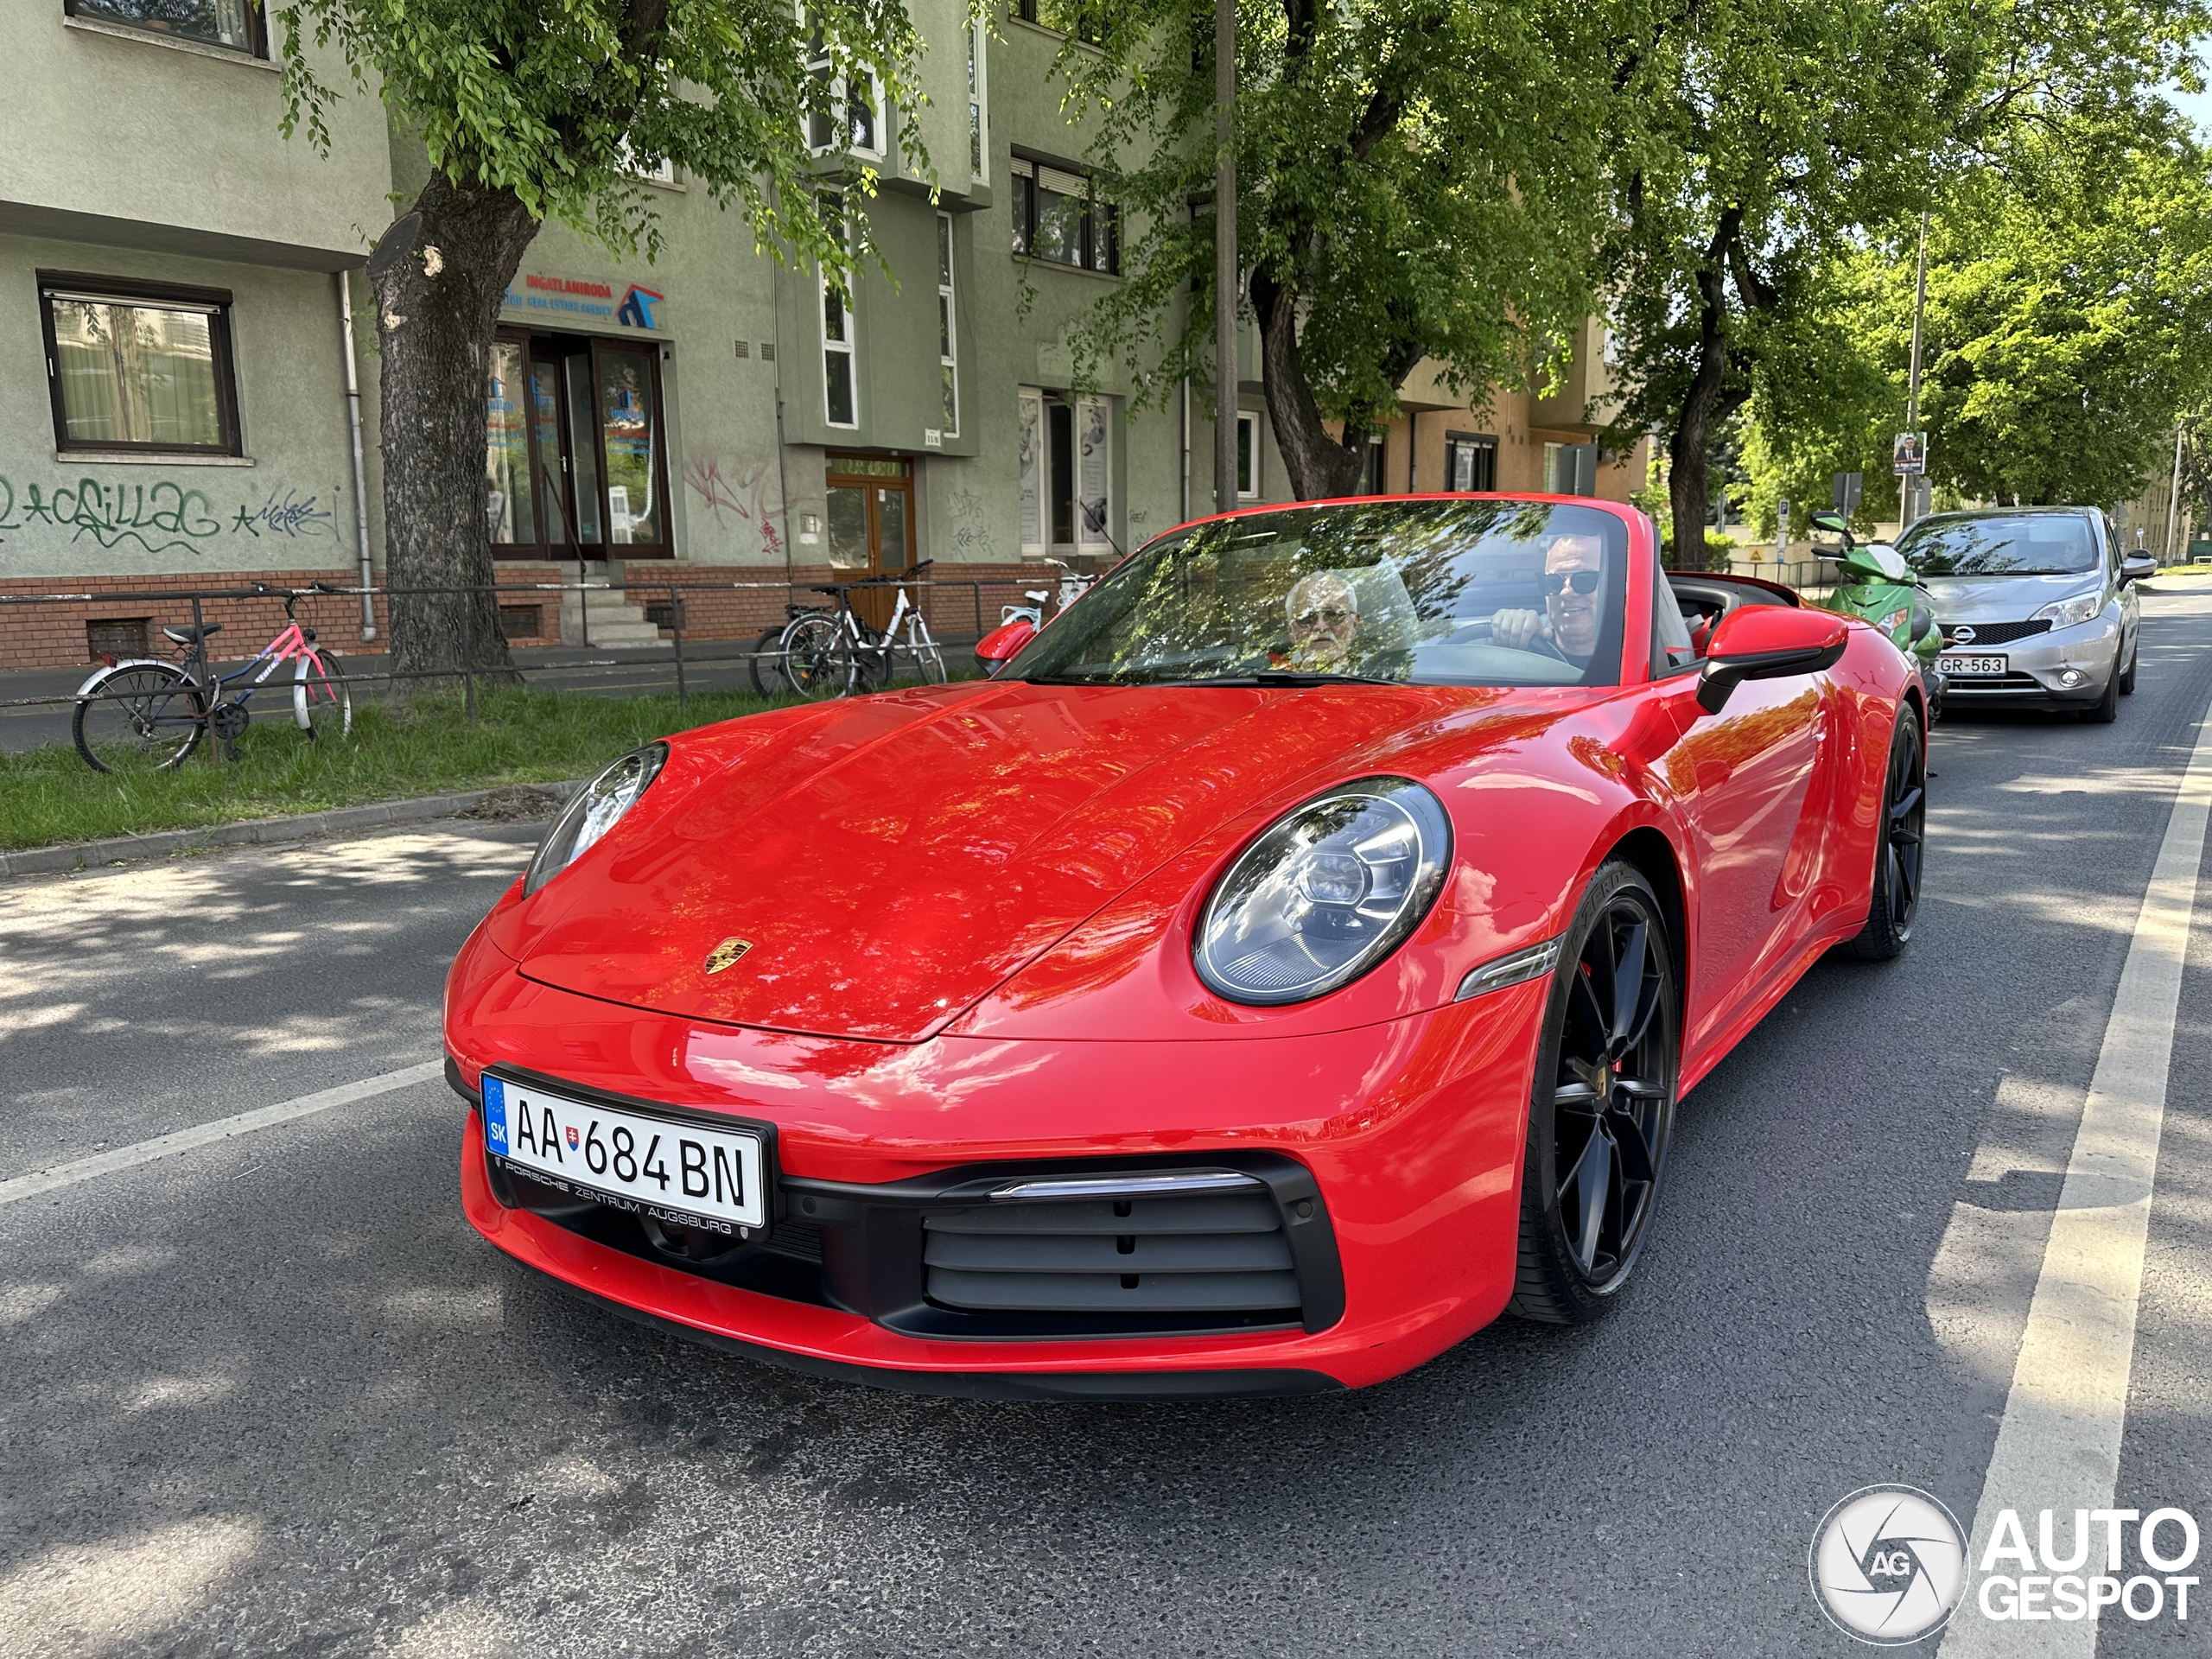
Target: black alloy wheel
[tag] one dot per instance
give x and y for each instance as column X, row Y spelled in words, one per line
column 1602, row 1107
column 1899, row 861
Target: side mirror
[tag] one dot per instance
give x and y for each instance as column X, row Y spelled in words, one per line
column 1003, row 644
column 1833, row 523
column 2135, row 567
column 1767, row 642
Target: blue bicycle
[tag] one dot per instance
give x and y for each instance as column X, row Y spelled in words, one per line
column 141, row 714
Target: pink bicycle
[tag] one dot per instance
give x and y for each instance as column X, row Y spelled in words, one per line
column 142, row 714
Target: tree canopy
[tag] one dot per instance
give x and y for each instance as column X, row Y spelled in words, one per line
column 1417, row 179
column 537, row 110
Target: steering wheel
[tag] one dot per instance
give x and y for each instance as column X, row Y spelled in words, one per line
column 1541, row 644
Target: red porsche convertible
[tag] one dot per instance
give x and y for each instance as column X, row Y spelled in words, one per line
column 1288, row 963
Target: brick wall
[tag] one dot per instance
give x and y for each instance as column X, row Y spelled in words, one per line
column 720, row 602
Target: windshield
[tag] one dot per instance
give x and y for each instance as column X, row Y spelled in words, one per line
column 2028, row 544
column 1427, row 592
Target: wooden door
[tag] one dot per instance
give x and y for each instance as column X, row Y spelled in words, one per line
column 871, row 522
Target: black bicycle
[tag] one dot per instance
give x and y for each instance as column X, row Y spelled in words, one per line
column 142, row 715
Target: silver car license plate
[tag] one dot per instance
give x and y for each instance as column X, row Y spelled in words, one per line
column 1969, row 666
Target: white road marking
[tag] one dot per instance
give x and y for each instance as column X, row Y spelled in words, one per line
column 2058, row 1446
column 201, row 1135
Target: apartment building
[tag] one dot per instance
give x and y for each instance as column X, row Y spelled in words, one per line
column 178, row 372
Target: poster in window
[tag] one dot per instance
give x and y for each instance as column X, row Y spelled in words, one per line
column 1033, row 473
column 1094, row 474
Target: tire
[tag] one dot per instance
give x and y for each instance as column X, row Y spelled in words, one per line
column 320, row 703
column 813, row 661
column 1900, row 861
column 149, row 719
column 1591, row 1174
column 766, row 666
column 2106, row 708
column 2127, row 675
column 929, row 662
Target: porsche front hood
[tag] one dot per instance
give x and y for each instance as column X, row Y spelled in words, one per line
column 898, row 858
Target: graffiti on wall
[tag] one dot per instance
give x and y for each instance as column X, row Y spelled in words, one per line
column 162, row 515
column 969, row 528
column 741, row 492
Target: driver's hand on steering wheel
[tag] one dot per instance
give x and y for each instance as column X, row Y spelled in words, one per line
column 1518, row 630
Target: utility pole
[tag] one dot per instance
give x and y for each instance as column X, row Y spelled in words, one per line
column 2173, row 502
column 1224, row 255
column 1914, row 483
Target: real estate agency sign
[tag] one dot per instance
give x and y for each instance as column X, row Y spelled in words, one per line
column 587, row 299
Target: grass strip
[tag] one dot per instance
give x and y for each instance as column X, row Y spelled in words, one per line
column 49, row 795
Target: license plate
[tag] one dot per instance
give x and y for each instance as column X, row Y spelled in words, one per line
column 673, row 1170
column 1968, row 667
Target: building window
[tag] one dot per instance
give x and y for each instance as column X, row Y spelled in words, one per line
column 1066, row 459
column 1571, row 469
column 574, row 459
column 1248, row 454
column 1068, row 16
column 1470, row 462
column 839, row 406
column 948, row 326
column 979, row 143
column 233, row 25
column 139, row 366
column 853, row 108
column 1058, row 217
column 1370, row 470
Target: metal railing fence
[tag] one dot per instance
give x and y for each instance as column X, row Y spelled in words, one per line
column 741, row 614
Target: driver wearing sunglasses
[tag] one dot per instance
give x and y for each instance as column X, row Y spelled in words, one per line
column 1574, row 572
column 1324, row 614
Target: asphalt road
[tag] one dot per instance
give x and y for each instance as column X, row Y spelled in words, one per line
column 273, row 1396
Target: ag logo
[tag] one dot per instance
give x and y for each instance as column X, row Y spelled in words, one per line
column 1962, row 635
column 1889, row 1564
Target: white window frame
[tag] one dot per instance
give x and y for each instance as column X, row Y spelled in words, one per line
column 949, row 318
column 1033, row 465
column 818, row 68
column 1086, row 539
column 979, row 114
column 845, row 346
column 1250, row 417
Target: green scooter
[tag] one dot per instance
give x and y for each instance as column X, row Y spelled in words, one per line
column 1880, row 586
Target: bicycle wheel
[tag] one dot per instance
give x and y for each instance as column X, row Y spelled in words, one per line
column 814, row 661
column 929, row 662
column 766, row 665
column 139, row 717
column 319, row 701
column 867, row 660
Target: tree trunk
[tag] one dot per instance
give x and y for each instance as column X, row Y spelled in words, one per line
column 1709, row 401
column 439, row 274
column 1320, row 466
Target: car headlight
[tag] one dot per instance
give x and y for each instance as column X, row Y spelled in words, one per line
column 2071, row 613
column 1331, row 888
column 596, row 809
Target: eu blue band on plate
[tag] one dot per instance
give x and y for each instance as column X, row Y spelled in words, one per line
column 495, row 1115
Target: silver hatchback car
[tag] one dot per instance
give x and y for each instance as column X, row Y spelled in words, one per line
column 2038, row 606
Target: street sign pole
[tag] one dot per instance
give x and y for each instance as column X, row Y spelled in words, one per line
column 1910, row 500
column 1224, row 256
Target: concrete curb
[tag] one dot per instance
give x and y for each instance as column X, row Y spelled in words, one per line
column 250, row 832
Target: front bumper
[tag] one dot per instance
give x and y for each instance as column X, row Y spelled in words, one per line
column 2037, row 668
column 1401, row 1142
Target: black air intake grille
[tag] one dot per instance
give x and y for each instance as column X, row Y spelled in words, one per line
column 1993, row 633
column 1202, row 1252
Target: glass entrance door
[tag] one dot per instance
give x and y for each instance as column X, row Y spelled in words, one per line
column 871, row 522
column 575, row 461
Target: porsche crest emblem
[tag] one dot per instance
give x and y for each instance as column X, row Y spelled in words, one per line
column 726, row 954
